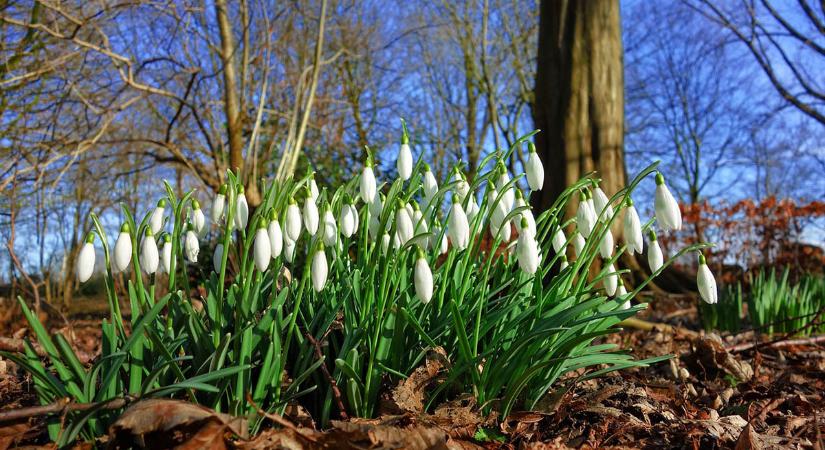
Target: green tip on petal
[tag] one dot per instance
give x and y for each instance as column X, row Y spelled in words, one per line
column 660, row 179
column 564, row 258
column 125, row 228
column 262, row 224
column 148, row 232
column 652, row 235
column 702, row 260
column 589, row 194
column 629, row 202
column 90, row 238
column 582, row 196
column 240, row 189
column 400, row 203
column 519, row 195
column 273, row 214
column 524, row 223
column 292, row 200
column 162, row 203
column 405, row 137
column 415, row 205
column 320, row 247
column 167, row 238
column 196, row 204
column 531, row 147
column 425, row 168
column 222, row 189
column 420, row 253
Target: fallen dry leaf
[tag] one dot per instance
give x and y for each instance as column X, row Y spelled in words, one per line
column 408, row 396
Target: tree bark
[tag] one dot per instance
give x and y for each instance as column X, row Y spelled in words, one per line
column 234, row 122
column 579, row 95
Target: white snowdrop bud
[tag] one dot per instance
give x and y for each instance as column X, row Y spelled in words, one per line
column 420, row 226
column 156, row 220
column 219, row 204
column 319, row 269
column 621, row 292
column 559, row 240
column 191, row 246
column 423, row 279
column 611, row 280
column 632, row 229
column 430, row 184
column 585, row 218
column 262, row 249
column 123, row 249
column 655, row 259
column 241, row 210
column 310, row 215
column 293, row 221
column 313, row 187
column 606, row 245
column 601, row 203
column 578, row 243
column 443, row 246
column 149, row 253
column 667, row 209
column 458, row 228
column 276, row 238
column 528, row 253
column 526, row 214
column 347, row 219
column 289, row 249
column 368, row 185
column 706, row 282
column 508, row 197
column 385, row 243
column 403, row 223
column 198, row 219
column 472, row 209
column 217, row 258
column 462, row 188
column 330, row 228
column 86, row 259
column 166, row 254
column 563, row 265
column 404, row 162
column 534, row 169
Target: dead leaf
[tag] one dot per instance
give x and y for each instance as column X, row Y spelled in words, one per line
column 362, row 435
column 13, row 432
column 748, row 440
column 711, row 354
column 408, row 396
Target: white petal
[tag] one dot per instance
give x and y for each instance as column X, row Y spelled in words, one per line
column 242, row 212
column 633, row 230
column 602, row 203
column 85, row 262
column 430, row 186
column 293, row 222
column 606, row 245
column 559, row 240
column 289, row 249
column 319, row 270
column 367, row 185
column 217, row 207
column 404, row 162
column 330, row 228
column 276, row 238
column 123, row 251
column 707, row 284
column 655, row 259
column 191, row 246
column 216, row 258
column 262, row 251
column 578, row 243
column 199, row 221
column 310, row 216
column 423, row 281
column 156, row 221
column 611, row 280
column 528, row 255
column 667, row 209
column 458, row 228
column 166, row 257
column 535, row 172
column 149, row 255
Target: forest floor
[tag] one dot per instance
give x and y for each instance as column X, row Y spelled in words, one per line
column 742, row 392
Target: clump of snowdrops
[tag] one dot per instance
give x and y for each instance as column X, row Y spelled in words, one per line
column 369, row 276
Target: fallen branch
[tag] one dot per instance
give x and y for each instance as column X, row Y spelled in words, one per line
column 336, row 392
column 61, row 406
column 776, row 344
column 640, row 324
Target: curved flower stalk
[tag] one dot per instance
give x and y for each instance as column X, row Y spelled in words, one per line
column 86, row 259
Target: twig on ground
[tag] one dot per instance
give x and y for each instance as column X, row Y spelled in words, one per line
column 277, row 418
column 776, row 343
column 640, row 324
column 336, row 392
column 61, row 406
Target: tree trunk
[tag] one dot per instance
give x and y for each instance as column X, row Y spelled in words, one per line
column 234, row 122
column 579, row 95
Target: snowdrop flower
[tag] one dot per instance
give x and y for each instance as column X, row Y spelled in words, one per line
column 219, row 204
column 655, row 259
column 86, row 259
column 611, row 280
column 420, row 226
column 241, row 210
column 330, row 231
column 621, row 292
column 528, row 253
column 347, row 219
column 602, row 207
column 423, row 279
column 404, row 162
column 355, row 214
column 156, row 220
column 462, row 188
column 198, row 219
column 585, row 216
column 578, row 243
column 276, row 238
column 293, row 221
column 385, row 243
column 313, row 187
column 527, row 214
column 508, row 198
column 166, row 254
column 310, row 215
column 430, row 184
column 443, row 246
column 191, row 247
column 632, row 229
column 563, row 265
column 667, row 210
column 534, row 169
column 606, row 245
column 559, row 240
column 472, row 209
column 149, row 253
column 368, row 186
column 403, row 223
column 289, row 249
column 217, row 258
column 706, row 282
column 262, row 250
column 375, row 209
column 319, row 269
column 123, row 249
column 458, row 228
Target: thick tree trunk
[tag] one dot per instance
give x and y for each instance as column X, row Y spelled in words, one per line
column 234, row 122
column 579, row 101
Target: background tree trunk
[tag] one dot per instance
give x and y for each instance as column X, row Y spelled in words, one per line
column 579, row 95
column 234, row 122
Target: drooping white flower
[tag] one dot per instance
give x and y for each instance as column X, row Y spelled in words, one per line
column 462, row 187
column 385, row 243
column 527, row 214
column 293, row 221
column 276, row 238
column 375, row 216
column 423, row 279
column 191, row 247
column 443, row 246
column 310, row 216
column 420, row 226
column 217, row 257
column 404, row 163
column 578, row 243
column 219, row 204
column 528, row 253
column 508, row 197
column 289, row 249
column 347, row 219
column 632, row 229
column 403, row 223
column 534, row 169
column 261, row 247
column 86, row 259
column 367, row 186
column 123, row 249
column 706, row 282
column 667, row 209
column 611, row 280
column 430, row 184
column 198, row 219
column 355, row 214
column 559, row 240
column 241, row 210
column 655, row 259
column 313, row 187
column 621, row 292
column 156, row 220
column 563, row 265
column 330, row 232
column 606, row 244
column 458, row 228
column 319, row 269
column 166, row 254
column 472, row 209
column 602, row 207
column 585, row 217
column 149, row 253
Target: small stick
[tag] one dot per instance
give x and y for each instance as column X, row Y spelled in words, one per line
column 336, row 392
column 61, row 406
column 639, row 324
column 277, row 418
column 776, row 343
